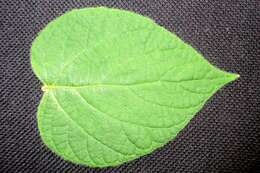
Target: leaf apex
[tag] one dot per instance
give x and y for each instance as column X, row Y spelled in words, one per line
column 234, row 76
column 230, row 77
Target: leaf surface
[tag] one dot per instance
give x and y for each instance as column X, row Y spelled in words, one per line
column 116, row 85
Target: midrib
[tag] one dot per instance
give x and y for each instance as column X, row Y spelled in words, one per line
column 54, row 87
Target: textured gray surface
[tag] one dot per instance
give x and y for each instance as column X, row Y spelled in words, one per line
column 223, row 137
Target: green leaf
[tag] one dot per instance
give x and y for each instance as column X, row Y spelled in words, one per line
column 116, row 85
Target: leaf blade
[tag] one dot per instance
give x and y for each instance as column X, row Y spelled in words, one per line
column 115, row 91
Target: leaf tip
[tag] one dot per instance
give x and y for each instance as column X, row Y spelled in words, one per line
column 237, row 76
column 232, row 77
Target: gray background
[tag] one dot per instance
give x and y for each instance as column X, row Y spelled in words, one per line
column 223, row 137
